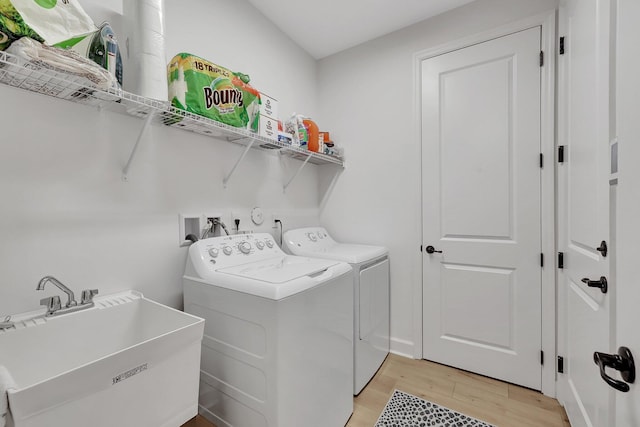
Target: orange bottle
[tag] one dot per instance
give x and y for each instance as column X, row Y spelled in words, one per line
column 312, row 129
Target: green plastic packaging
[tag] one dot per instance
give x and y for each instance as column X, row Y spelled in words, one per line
column 12, row 26
column 47, row 21
column 204, row 88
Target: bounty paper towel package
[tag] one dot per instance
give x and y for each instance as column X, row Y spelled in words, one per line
column 47, row 21
column 204, row 88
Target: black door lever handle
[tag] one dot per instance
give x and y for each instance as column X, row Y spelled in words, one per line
column 602, row 284
column 430, row 249
column 623, row 362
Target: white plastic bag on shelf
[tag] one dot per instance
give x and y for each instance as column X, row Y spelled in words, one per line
column 48, row 21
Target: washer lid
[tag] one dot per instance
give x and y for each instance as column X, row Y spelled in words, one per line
column 316, row 242
column 280, row 269
column 346, row 252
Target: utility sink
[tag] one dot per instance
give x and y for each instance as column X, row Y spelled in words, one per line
column 127, row 361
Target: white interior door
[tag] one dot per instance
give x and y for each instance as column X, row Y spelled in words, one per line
column 627, row 289
column 584, row 208
column 481, row 208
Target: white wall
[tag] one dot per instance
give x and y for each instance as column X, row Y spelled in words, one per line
column 367, row 98
column 237, row 36
column 66, row 211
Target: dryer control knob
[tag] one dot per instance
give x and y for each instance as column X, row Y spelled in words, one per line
column 269, row 243
column 312, row 237
column 259, row 245
column 214, row 252
column 227, row 250
column 245, row 247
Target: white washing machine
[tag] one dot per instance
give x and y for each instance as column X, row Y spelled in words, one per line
column 371, row 294
column 278, row 337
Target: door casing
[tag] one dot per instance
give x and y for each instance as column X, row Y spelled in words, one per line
column 547, row 22
column 627, row 208
column 585, row 319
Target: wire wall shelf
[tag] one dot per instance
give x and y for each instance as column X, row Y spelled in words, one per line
column 38, row 78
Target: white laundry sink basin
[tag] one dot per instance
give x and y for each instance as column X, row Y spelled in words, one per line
column 128, row 361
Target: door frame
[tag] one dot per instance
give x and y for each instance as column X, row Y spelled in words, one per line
column 547, row 22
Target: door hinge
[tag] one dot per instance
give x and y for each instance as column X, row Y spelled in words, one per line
column 560, row 259
column 541, row 160
column 560, row 365
column 561, row 150
column 561, row 45
column 541, row 58
column 541, row 260
column 542, row 357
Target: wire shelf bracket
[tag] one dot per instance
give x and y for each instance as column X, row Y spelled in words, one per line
column 295, row 175
column 226, row 179
column 143, row 131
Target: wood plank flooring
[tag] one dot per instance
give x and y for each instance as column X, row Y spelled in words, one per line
column 198, row 421
column 495, row 402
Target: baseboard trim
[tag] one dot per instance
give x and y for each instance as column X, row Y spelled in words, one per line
column 402, row 347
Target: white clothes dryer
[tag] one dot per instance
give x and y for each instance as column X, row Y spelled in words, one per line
column 371, row 294
column 278, row 337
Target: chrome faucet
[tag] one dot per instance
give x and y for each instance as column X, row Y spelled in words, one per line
column 71, row 302
column 87, row 296
column 53, row 303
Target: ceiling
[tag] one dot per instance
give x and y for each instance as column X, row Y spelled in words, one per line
column 324, row 27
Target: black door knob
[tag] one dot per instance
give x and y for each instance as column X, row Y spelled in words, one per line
column 602, row 284
column 623, row 362
column 430, row 249
column 602, row 248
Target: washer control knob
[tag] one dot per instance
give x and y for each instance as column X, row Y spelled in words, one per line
column 259, row 245
column 227, row 250
column 269, row 243
column 245, row 247
column 214, row 252
column 312, row 237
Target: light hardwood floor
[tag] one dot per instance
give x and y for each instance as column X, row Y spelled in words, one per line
column 496, row 402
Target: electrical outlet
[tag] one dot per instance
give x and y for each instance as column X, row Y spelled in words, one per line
column 243, row 224
column 238, row 216
column 275, row 216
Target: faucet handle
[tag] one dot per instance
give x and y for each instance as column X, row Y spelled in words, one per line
column 52, row 303
column 6, row 323
column 87, row 296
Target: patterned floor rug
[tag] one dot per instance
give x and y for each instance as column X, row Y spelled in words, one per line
column 407, row 410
